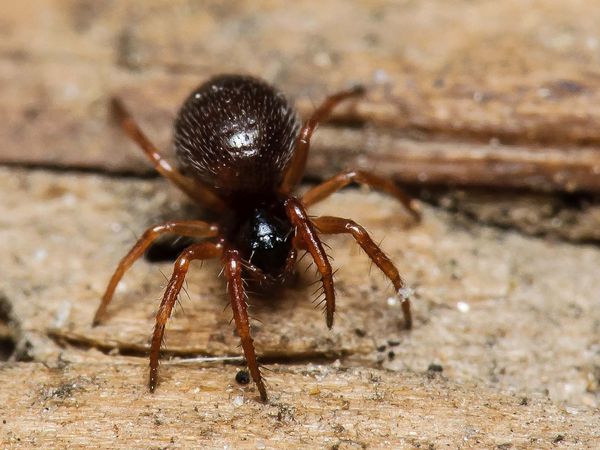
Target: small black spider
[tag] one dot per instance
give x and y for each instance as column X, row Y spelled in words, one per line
column 243, row 147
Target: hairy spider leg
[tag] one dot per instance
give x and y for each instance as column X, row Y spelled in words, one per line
column 237, row 297
column 295, row 170
column 306, row 230
column 194, row 189
column 202, row 250
column 190, row 228
column 333, row 184
column 337, row 225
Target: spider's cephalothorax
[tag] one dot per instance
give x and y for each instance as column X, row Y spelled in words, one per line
column 264, row 239
column 244, row 152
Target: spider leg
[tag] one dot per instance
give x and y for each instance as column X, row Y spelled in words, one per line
column 308, row 233
column 202, row 250
column 295, row 170
column 191, row 187
column 337, row 225
column 237, row 296
column 328, row 187
column 191, row 228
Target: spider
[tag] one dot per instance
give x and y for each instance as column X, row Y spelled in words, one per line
column 243, row 150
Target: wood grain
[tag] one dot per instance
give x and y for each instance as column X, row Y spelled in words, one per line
column 483, row 306
column 462, row 95
column 473, row 93
column 83, row 405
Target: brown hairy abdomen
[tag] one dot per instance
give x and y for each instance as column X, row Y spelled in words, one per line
column 236, row 134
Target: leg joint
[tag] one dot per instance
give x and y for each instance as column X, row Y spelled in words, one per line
column 355, row 229
column 352, row 175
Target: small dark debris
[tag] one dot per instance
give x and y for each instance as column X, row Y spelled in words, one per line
column 242, row 377
column 505, row 446
column 393, row 343
column 381, row 348
column 524, row 401
column 373, row 378
column 391, row 355
column 4, row 421
column 570, row 86
column 348, row 443
column 286, row 413
column 559, row 438
column 360, row 332
column 561, row 88
column 433, row 367
column 31, row 113
column 63, row 391
column 338, row 428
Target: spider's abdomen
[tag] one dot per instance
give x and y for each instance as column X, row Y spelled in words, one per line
column 236, row 134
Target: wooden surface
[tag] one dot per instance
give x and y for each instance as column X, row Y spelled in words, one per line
column 500, row 94
column 463, row 94
column 498, row 311
column 83, row 405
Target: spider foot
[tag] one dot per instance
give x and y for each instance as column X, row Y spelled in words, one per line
column 404, row 294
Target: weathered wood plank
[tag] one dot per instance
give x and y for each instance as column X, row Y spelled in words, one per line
column 104, row 406
column 465, row 94
column 461, row 94
column 484, row 298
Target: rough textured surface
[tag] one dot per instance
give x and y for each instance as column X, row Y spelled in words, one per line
column 570, row 217
column 315, row 407
column 498, row 311
column 460, row 94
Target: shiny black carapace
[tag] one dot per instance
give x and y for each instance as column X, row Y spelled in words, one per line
column 243, row 150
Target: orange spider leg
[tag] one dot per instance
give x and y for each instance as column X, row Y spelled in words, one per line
column 337, row 225
column 191, row 187
column 203, row 250
column 328, row 187
column 237, row 296
column 191, row 228
column 295, row 170
column 308, row 233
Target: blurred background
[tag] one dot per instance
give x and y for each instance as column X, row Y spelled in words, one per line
column 487, row 94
